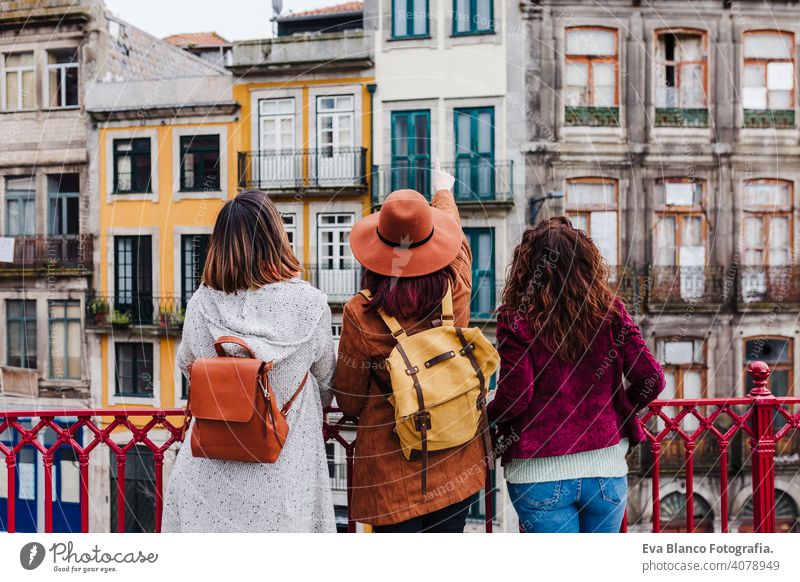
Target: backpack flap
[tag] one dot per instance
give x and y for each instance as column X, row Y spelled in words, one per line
column 225, row 388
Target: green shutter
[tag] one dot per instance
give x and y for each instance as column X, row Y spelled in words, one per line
column 475, row 172
column 481, row 241
column 411, row 151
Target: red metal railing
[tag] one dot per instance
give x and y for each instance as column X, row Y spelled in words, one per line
column 720, row 418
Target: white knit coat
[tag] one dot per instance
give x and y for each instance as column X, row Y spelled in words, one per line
column 290, row 324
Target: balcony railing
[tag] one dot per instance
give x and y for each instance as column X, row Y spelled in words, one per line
column 769, row 284
column 478, row 181
column 338, row 473
column 751, row 417
column 338, row 284
column 686, row 285
column 125, row 310
column 291, row 170
column 52, row 253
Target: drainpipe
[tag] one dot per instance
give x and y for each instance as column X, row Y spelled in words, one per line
column 372, row 87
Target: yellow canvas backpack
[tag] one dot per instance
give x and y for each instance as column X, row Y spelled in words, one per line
column 439, row 381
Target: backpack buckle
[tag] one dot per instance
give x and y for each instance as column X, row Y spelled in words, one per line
column 467, row 349
column 412, row 371
column 422, row 421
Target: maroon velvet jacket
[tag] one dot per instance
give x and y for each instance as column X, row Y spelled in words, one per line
column 545, row 407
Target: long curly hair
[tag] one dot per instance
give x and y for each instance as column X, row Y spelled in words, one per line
column 558, row 283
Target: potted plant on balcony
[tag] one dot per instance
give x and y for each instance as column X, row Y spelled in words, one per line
column 120, row 319
column 99, row 309
column 178, row 316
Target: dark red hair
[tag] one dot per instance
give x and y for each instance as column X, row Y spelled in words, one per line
column 408, row 297
column 558, row 282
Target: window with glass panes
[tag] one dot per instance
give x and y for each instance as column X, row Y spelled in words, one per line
column 474, row 131
column 334, row 241
column 681, row 69
column 411, row 151
column 20, row 206
column 134, row 368
column 472, row 16
column 21, row 333
column 62, row 78
column 290, row 226
column 680, row 234
column 133, row 277
column 685, row 370
column 768, row 70
column 335, row 128
column 767, row 238
column 591, row 205
column 63, row 198
column 409, row 18
column 19, row 82
column 481, row 241
column 132, row 165
column 591, row 67
column 194, row 250
column 778, row 353
column 64, row 325
column 200, row 163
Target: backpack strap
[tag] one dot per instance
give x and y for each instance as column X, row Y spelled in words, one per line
column 447, row 307
column 288, row 405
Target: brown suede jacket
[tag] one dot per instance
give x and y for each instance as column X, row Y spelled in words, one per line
column 387, row 487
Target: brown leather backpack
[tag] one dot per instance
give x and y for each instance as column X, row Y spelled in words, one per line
column 236, row 414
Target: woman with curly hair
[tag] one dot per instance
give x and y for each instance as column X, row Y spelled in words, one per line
column 566, row 343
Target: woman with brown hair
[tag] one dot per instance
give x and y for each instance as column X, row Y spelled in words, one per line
column 566, row 343
column 251, row 290
column 411, row 252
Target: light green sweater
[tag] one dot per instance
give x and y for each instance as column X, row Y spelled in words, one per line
column 607, row 462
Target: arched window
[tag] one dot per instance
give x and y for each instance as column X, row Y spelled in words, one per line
column 673, row 514
column 681, row 69
column 786, row 514
column 768, row 79
column 767, row 240
column 679, row 246
column 591, row 67
column 591, row 205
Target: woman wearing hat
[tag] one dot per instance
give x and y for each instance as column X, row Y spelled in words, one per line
column 410, row 251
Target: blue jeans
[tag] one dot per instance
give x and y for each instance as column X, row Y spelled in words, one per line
column 592, row 505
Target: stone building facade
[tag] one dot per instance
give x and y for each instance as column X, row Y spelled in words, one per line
column 669, row 131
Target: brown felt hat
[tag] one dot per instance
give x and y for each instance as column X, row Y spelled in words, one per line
column 406, row 238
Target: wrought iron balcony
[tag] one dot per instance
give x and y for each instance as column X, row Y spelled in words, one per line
column 52, row 253
column 123, row 310
column 685, row 285
column 291, row 170
column 479, row 182
column 767, row 285
column 716, row 422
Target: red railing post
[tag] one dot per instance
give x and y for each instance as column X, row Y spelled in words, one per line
column 121, row 492
column 83, row 462
column 47, row 462
column 351, row 524
column 11, row 465
column 763, row 449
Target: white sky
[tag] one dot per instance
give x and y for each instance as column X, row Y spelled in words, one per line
column 233, row 19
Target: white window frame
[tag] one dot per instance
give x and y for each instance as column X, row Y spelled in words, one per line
column 110, row 136
column 199, row 130
column 113, row 399
column 62, row 69
column 19, row 71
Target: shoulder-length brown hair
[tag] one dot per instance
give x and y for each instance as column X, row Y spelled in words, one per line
column 558, row 282
column 249, row 247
